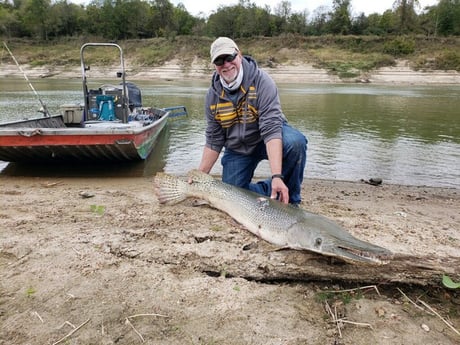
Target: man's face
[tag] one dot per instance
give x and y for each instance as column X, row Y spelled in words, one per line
column 228, row 66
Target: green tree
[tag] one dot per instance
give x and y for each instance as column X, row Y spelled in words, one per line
column 288, row 21
column 184, row 22
column 128, row 19
column 108, row 25
column 65, row 19
column 223, row 22
column 448, row 17
column 297, row 23
column 283, row 11
column 9, row 22
column 264, row 22
column 133, row 18
column 405, row 10
column 360, row 25
column 161, row 18
column 35, row 17
column 340, row 17
column 93, row 21
column 388, row 22
column 320, row 20
column 252, row 20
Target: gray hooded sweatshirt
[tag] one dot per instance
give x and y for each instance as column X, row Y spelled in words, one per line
column 241, row 119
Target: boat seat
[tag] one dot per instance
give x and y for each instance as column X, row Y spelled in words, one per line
column 106, row 107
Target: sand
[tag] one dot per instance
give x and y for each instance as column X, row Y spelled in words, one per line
column 101, row 253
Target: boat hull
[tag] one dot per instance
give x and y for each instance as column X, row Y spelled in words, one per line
column 21, row 142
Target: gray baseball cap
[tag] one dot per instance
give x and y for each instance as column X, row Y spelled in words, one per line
column 222, row 46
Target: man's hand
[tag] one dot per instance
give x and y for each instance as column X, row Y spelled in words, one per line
column 280, row 191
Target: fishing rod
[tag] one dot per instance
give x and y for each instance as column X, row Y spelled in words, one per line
column 45, row 109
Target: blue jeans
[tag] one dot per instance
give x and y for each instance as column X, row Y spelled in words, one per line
column 238, row 169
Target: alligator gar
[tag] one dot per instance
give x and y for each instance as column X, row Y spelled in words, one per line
column 277, row 223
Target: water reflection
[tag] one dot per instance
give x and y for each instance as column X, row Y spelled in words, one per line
column 403, row 134
column 429, row 119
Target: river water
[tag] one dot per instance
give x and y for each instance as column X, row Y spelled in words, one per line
column 406, row 135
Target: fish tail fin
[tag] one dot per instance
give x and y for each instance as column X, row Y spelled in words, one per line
column 199, row 176
column 169, row 190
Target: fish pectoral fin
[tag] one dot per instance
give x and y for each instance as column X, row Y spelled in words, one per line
column 199, row 202
column 250, row 246
column 282, row 248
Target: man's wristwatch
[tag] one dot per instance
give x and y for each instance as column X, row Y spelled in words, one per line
column 278, row 176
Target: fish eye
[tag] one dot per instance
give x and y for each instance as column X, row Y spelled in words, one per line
column 318, row 242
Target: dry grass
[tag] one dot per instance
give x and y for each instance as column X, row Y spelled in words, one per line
column 335, row 53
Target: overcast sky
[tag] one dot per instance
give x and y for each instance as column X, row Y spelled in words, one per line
column 194, row 7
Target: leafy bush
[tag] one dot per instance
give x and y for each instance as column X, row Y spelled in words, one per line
column 399, row 46
column 448, row 60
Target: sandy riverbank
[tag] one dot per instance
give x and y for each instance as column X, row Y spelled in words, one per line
column 101, row 253
column 296, row 73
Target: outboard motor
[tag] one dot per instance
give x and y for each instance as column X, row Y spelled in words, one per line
column 134, row 95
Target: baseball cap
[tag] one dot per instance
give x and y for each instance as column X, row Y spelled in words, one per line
column 222, row 46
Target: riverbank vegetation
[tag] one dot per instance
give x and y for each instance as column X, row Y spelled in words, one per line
column 135, row 19
column 345, row 56
column 41, row 32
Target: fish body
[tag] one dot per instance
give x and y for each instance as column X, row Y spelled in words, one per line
column 277, row 223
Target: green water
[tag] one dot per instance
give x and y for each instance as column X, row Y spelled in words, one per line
column 403, row 134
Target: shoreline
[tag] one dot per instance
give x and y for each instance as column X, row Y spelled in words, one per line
column 401, row 74
column 22, row 173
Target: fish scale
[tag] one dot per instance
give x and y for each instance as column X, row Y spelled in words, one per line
column 280, row 224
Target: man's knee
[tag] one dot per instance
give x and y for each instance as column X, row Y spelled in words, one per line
column 295, row 143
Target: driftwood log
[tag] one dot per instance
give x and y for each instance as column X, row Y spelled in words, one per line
column 229, row 256
column 291, row 265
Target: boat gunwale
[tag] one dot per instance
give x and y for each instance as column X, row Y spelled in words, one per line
column 124, row 129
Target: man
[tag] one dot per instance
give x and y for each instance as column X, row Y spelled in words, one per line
column 243, row 114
